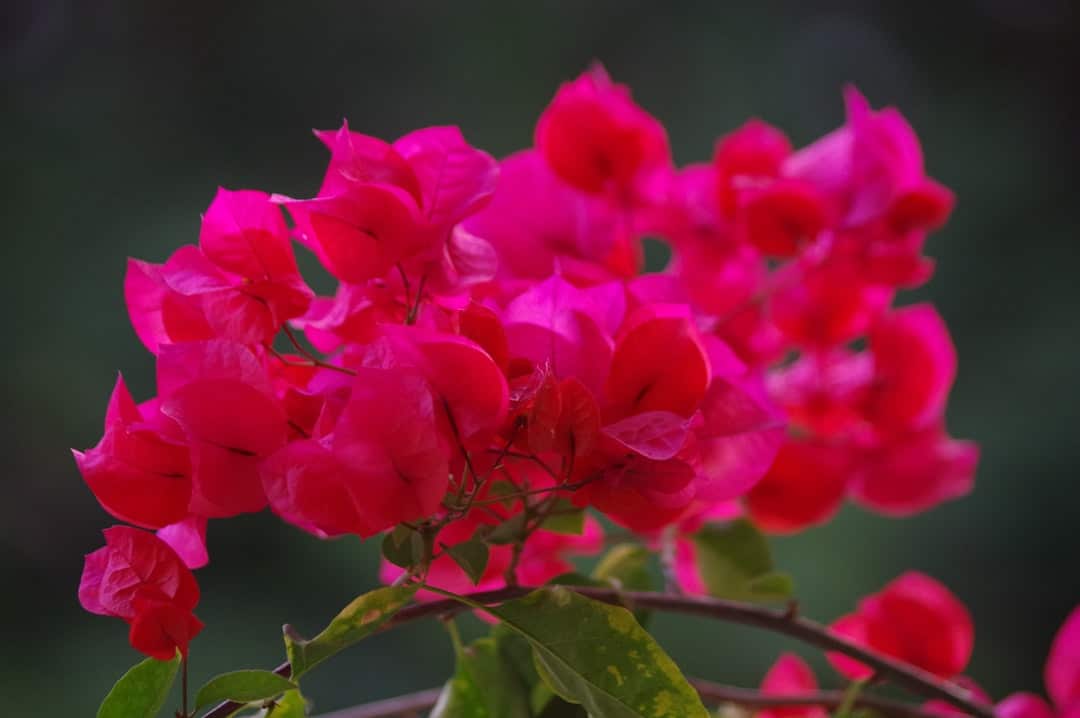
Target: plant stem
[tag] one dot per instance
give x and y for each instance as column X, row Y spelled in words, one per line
column 712, row 693
column 780, row 621
column 411, row 704
column 184, row 686
column 718, row 693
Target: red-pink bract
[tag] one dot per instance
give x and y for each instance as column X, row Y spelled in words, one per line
column 219, row 394
column 1062, row 673
column 140, row 471
column 596, row 138
column 790, row 675
column 914, row 618
column 139, row 578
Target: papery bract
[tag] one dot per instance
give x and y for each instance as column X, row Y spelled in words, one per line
column 140, row 471
column 914, row 618
column 790, row 675
column 804, row 487
column 139, row 578
column 219, row 394
column 596, row 138
column 384, row 463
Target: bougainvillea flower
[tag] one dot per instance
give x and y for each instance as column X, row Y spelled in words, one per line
column 736, row 437
column 748, row 158
column 914, row 368
column 914, row 618
column 913, row 472
column 823, row 392
column 361, row 234
column 140, row 471
column 383, row 205
column 790, row 676
column 188, row 539
column 596, row 138
column 823, row 305
column 1062, row 673
column 139, row 578
column 384, row 463
column 466, row 382
column 570, row 329
column 455, row 178
column 560, row 417
column 536, row 222
column 782, row 217
column 161, row 315
column 220, row 395
column 637, row 492
column 658, row 364
column 872, row 168
column 804, row 487
column 240, row 283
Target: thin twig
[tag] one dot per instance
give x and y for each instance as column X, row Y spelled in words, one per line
column 407, row 705
column 718, row 693
column 780, row 621
column 710, row 693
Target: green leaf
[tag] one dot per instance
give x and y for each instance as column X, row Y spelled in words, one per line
column 290, row 705
column 485, row 684
column 516, row 651
column 472, row 556
column 356, row 621
column 404, row 547
column 509, row 531
column 573, row 578
column 628, row 565
column 565, row 518
column 141, row 691
column 242, row 687
column 735, row 562
column 597, row 655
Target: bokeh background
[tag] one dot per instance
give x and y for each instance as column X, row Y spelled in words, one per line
column 122, row 117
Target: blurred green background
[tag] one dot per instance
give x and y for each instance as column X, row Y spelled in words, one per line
column 122, row 117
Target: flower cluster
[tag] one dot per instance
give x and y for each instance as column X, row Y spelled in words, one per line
column 495, row 359
column 931, row 630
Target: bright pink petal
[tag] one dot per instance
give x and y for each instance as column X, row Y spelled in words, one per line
column 595, row 137
column 790, row 676
column 737, row 440
column 159, row 314
column 915, row 472
column 656, row 435
column 659, row 363
column 387, row 438
column 934, row 628
column 461, row 374
column 455, row 178
column 914, row 364
column 553, row 323
column 1024, row 705
column 244, row 233
column 188, row 539
column 362, row 159
column 804, row 487
column 1063, row 664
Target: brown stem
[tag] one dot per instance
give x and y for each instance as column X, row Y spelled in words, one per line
column 409, row 705
column 710, row 692
column 780, row 621
column 184, row 686
column 718, row 693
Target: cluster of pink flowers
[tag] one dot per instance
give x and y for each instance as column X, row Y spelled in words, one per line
column 916, row 619
column 493, row 340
